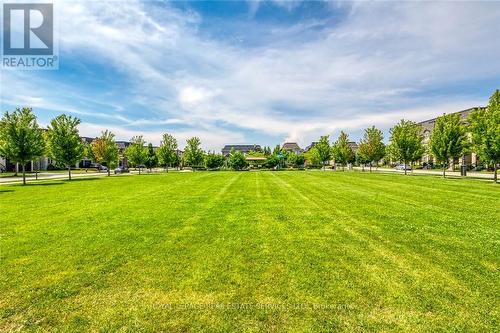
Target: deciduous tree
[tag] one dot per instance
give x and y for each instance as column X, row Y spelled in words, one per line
column 21, row 139
column 136, row 152
column 371, row 148
column 214, row 161
column 193, row 154
column 342, row 151
column 167, row 152
column 295, row 160
column 484, row 125
column 323, row 150
column 151, row 158
column 448, row 139
column 105, row 150
column 406, row 142
column 64, row 142
column 237, row 160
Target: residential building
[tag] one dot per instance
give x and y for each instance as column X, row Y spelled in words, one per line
column 292, row 147
column 310, row 146
column 469, row 159
column 242, row 148
column 354, row 146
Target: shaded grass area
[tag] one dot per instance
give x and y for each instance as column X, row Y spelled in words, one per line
column 251, row 251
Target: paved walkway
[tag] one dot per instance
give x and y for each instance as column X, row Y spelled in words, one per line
column 433, row 172
column 47, row 176
column 53, row 176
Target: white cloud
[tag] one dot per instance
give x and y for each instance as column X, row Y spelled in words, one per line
column 190, row 96
column 383, row 62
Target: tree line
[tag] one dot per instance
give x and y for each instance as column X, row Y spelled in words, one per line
column 22, row 141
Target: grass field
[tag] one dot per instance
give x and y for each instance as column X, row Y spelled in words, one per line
column 251, row 251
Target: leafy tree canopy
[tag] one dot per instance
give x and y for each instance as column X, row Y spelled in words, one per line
column 136, row 152
column 151, row 158
column 448, row 139
column 167, row 152
column 193, row 154
column 105, row 149
column 237, row 160
column 371, row 148
column 214, row 161
column 342, row 151
column 64, row 142
column 484, row 125
column 406, row 142
column 21, row 139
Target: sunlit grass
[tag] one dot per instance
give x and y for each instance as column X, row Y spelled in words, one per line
column 250, row 251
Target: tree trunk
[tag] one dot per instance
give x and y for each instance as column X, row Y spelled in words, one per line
column 444, row 171
column 167, row 168
column 24, row 174
column 404, row 166
column 109, row 171
column 69, row 172
column 370, row 167
column 495, row 173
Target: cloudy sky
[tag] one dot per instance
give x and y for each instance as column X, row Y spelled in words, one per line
column 261, row 72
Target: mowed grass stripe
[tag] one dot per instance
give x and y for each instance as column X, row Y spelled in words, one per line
column 369, row 248
column 429, row 265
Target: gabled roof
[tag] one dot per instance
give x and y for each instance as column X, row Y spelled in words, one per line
column 311, row 146
column 353, row 145
column 463, row 115
column 291, row 146
column 243, row 148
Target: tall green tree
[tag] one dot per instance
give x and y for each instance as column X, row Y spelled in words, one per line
column 105, row 150
column 21, row 139
column 448, row 139
column 342, row 151
column 406, row 142
column 167, row 152
column 267, row 151
column 484, row 126
column 362, row 159
column 323, row 150
column 176, row 161
column 136, row 152
column 295, row 160
column 64, row 142
column 87, row 151
column 312, row 157
column 371, row 148
column 214, row 161
column 272, row 161
column 237, row 160
column 193, row 154
column 151, row 158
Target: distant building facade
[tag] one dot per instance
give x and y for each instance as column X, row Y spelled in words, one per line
column 241, row 148
column 469, row 159
column 292, row 147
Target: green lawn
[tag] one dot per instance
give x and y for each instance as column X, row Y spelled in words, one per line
column 251, row 251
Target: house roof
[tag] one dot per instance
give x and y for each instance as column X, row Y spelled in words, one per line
column 463, row 114
column 242, row 148
column 311, row 145
column 353, row 145
column 291, row 146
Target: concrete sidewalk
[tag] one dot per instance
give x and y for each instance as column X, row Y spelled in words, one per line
column 470, row 174
column 48, row 176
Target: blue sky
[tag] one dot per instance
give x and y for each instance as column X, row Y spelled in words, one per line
column 261, row 71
